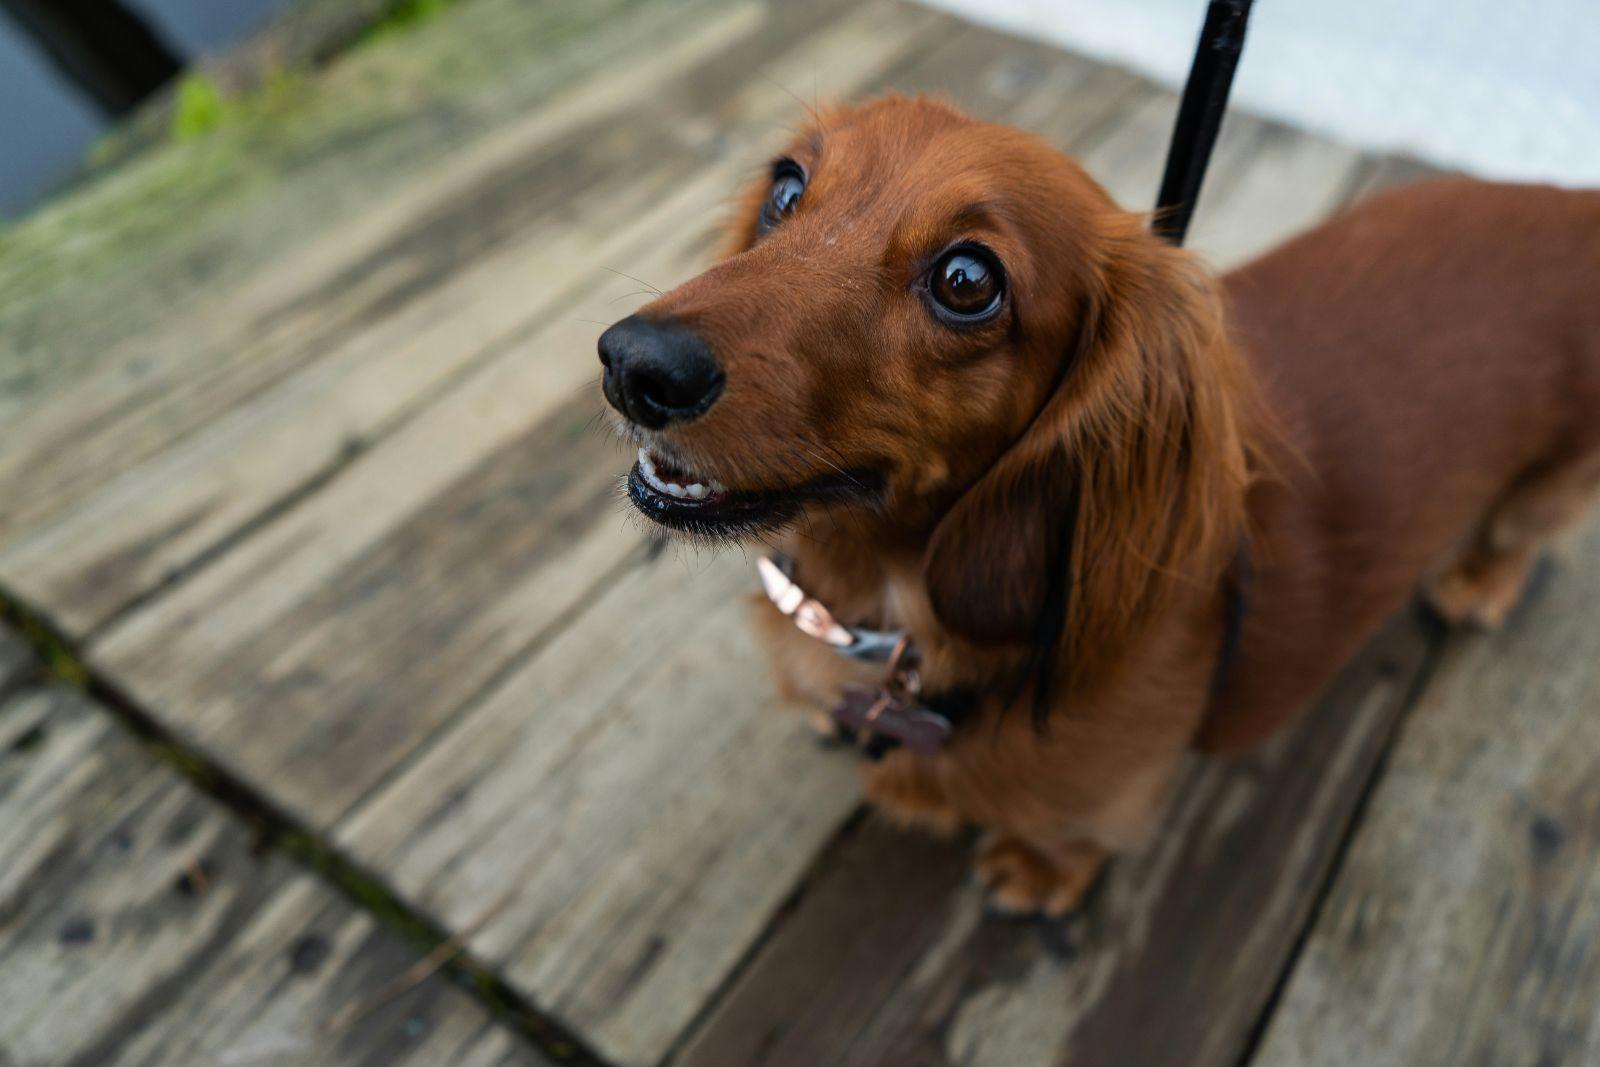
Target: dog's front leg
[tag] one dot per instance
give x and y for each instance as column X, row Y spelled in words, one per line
column 906, row 788
column 1057, row 804
column 1048, row 831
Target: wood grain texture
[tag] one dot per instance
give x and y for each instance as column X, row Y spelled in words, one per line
column 140, row 926
column 1269, row 182
column 93, row 277
column 634, row 792
column 341, row 636
column 125, row 479
column 1172, row 963
column 1266, row 182
column 90, row 307
column 1464, row 922
column 306, row 33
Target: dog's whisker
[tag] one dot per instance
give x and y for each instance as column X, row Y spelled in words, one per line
column 852, row 479
column 852, row 516
column 631, row 278
column 636, row 292
column 812, row 111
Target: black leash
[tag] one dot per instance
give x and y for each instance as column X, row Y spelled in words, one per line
column 1205, row 98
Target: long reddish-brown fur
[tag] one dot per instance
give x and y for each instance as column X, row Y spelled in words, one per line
column 1410, row 392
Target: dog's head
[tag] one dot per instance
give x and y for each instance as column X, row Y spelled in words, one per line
column 947, row 328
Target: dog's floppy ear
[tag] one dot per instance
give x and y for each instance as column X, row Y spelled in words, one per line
column 990, row 562
column 1132, row 474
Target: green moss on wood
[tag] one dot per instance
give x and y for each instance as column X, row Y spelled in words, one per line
column 404, row 16
column 199, row 108
column 246, row 178
column 203, row 108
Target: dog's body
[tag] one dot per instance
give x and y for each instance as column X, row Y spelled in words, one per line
column 1053, row 494
column 1434, row 356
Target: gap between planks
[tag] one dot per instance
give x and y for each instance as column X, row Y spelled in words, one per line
column 365, row 890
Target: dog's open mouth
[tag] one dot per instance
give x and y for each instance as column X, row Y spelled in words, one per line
column 683, row 500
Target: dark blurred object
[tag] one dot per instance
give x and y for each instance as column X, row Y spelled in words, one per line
column 104, row 48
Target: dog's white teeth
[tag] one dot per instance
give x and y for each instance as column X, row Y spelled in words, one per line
column 692, row 491
column 696, row 491
column 648, row 469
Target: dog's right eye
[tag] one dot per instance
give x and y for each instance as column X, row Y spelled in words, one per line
column 788, row 184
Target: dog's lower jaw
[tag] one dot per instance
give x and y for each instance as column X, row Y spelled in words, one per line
column 685, row 498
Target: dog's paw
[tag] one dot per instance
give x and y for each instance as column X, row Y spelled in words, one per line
column 1022, row 880
column 1484, row 597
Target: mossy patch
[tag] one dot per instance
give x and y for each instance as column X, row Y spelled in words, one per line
column 202, row 106
column 244, row 178
column 199, row 108
column 405, row 15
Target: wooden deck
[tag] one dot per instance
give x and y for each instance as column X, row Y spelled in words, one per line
column 401, row 745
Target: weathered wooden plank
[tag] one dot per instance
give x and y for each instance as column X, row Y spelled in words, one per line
column 1463, row 925
column 16, row 660
column 139, row 926
column 308, row 32
column 1393, row 170
column 1179, row 951
column 117, row 483
column 624, row 785
column 341, row 636
column 206, row 213
column 112, row 293
column 1267, row 183
column 1127, row 154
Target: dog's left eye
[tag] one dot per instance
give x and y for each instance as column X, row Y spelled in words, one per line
column 788, row 185
column 966, row 284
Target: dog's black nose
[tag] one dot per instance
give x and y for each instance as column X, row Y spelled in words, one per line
column 658, row 373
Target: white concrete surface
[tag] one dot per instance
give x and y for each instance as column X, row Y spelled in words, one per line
column 1501, row 88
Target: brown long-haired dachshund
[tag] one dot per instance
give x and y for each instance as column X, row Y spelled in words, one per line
column 1117, row 507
